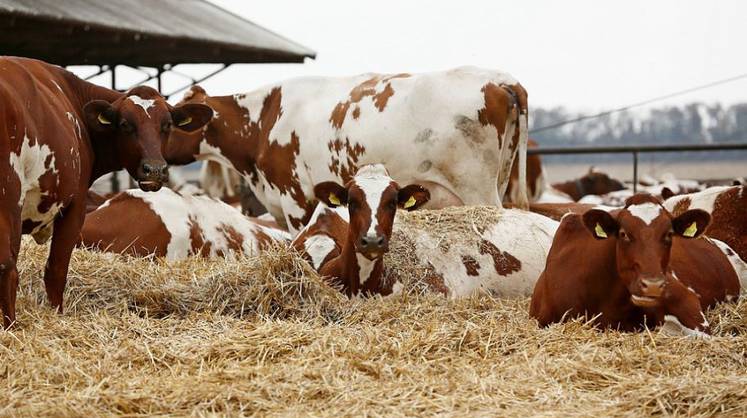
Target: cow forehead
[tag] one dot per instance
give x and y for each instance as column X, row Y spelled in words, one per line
column 373, row 187
column 646, row 212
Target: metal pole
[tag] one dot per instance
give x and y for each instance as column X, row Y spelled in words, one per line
column 635, row 171
column 115, row 177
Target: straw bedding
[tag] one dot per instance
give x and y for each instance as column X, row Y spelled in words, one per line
column 264, row 336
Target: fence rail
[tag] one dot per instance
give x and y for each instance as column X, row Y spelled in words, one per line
column 634, row 150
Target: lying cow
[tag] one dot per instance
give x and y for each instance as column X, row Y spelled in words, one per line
column 348, row 244
column 592, row 183
column 59, row 134
column 168, row 224
column 635, row 266
column 454, row 132
column 728, row 209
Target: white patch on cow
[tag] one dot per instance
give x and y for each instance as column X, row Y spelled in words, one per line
column 739, row 266
column 673, row 326
column 318, row 247
column 646, row 212
column 397, row 288
column 373, row 179
column 704, row 200
column 605, row 208
column 30, row 165
column 144, row 103
column 365, row 267
column 212, row 216
column 526, row 236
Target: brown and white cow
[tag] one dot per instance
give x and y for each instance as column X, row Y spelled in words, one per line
column 454, row 132
column 175, row 226
column 634, row 266
column 59, row 134
column 504, row 257
column 348, row 244
column 728, row 209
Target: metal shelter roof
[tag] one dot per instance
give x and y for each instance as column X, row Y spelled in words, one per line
column 138, row 33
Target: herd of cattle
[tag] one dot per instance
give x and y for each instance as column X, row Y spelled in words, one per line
column 332, row 159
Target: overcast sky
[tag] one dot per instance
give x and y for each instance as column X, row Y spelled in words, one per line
column 587, row 55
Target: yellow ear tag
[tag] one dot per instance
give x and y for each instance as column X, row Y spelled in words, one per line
column 333, row 199
column 185, row 122
column 103, row 120
column 410, row 202
column 599, row 231
column 691, row 230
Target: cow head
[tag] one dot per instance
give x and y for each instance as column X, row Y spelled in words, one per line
column 138, row 124
column 372, row 198
column 597, row 183
column 643, row 231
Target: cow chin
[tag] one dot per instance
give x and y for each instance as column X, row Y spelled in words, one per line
column 645, row 301
column 149, row 185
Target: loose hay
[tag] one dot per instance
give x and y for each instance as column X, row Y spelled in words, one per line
column 265, row 336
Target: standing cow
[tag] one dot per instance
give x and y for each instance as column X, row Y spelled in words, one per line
column 59, row 134
column 454, row 132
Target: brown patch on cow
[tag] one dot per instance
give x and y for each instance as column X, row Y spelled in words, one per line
column 264, row 241
column 197, row 239
column 681, row 206
column 344, row 166
column 471, row 265
column 381, row 98
column 504, row 262
column 234, row 239
column 435, row 281
column 365, row 89
column 498, row 107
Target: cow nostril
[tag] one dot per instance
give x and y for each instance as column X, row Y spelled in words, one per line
column 380, row 241
column 364, row 241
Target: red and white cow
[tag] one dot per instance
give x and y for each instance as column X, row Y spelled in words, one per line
column 504, row 258
column 728, row 209
column 635, row 266
column 59, row 134
column 592, row 183
column 175, row 226
column 454, row 132
column 348, row 244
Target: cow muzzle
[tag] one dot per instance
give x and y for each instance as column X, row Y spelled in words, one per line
column 652, row 290
column 152, row 174
column 372, row 246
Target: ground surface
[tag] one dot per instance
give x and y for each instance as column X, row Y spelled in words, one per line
column 264, row 337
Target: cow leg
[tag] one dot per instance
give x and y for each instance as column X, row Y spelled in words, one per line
column 10, row 244
column 66, row 233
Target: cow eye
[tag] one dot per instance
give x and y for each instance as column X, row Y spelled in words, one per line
column 125, row 126
column 668, row 237
column 166, row 126
column 624, row 235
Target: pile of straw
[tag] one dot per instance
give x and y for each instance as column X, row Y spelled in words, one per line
column 265, row 336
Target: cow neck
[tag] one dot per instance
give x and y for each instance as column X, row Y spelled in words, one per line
column 353, row 265
column 571, row 188
column 104, row 153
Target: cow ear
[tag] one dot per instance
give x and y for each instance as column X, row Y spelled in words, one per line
column 666, row 193
column 413, row 196
column 600, row 223
column 331, row 193
column 191, row 116
column 100, row 116
column 691, row 223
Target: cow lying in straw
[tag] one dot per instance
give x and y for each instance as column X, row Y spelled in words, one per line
column 454, row 251
column 635, row 266
column 168, row 224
